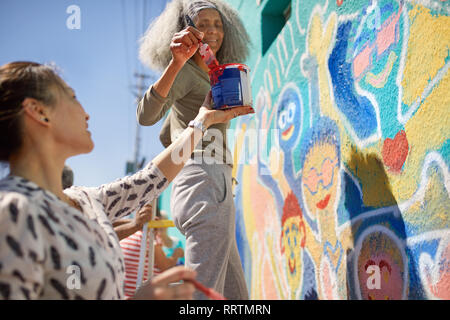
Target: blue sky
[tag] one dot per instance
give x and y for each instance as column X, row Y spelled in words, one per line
column 98, row 61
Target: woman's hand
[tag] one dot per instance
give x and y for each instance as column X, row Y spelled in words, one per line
column 162, row 286
column 143, row 216
column 209, row 116
column 184, row 44
column 178, row 253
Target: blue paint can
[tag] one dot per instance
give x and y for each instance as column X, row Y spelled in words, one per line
column 230, row 86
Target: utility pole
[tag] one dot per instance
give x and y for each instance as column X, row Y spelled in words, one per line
column 136, row 164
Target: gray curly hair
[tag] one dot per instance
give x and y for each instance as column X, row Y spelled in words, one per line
column 155, row 44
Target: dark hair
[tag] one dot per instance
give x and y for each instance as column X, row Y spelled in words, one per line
column 67, row 177
column 18, row 81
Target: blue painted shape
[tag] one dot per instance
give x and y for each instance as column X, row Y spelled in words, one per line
column 309, row 285
column 358, row 110
column 353, row 201
column 290, row 117
column 337, row 248
column 414, row 252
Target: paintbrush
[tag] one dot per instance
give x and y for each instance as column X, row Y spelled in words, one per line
column 210, row 293
column 205, row 51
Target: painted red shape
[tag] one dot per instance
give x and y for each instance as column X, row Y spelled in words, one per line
column 339, row 2
column 322, row 204
column 395, row 151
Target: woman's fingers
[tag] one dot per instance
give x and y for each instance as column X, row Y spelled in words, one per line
column 165, row 287
column 177, row 291
column 174, row 274
column 235, row 112
column 185, row 43
column 198, row 34
column 189, row 37
column 192, row 38
column 183, row 291
column 221, row 116
column 208, row 99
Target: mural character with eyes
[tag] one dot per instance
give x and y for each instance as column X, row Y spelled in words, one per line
column 293, row 238
column 320, row 161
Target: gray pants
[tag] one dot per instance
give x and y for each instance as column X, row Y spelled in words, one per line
column 203, row 210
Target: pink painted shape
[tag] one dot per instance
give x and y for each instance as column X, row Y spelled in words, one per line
column 327, row 281
column 268, row 282
column 362, row 61
column 441, row 288
column 388, row 33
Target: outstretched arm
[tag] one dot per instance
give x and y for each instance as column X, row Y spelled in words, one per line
column 173, row 158
column 131, row 193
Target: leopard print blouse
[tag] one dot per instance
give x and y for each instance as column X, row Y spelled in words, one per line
column 50, row 250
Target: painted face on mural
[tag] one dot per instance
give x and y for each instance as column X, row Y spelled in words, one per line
column 320, row 177
column 380, row 268
column 292, row 236
column 293, row 240
column 289, row 117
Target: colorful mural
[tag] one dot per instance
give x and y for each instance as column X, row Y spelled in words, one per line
column 343, row 172
column 344, row 183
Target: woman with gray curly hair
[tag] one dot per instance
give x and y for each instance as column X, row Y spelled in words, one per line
column 202, row 203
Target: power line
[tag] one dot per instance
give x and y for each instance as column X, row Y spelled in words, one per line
column 137, row 163
column 125, row 35
column 144, row 15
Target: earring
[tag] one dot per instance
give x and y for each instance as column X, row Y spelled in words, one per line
column 45, row 119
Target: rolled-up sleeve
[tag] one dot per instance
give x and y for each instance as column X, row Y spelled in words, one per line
column 152, row 107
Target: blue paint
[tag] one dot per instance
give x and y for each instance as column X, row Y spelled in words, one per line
column 358, row 110
column 416, row 290
column 309, row 285
column 337, row 248
column 353, row 199
column 289, row 116
column 230, row 89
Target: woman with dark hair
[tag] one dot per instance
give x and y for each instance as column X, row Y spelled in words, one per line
column 60, row 244
column 202, row 203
